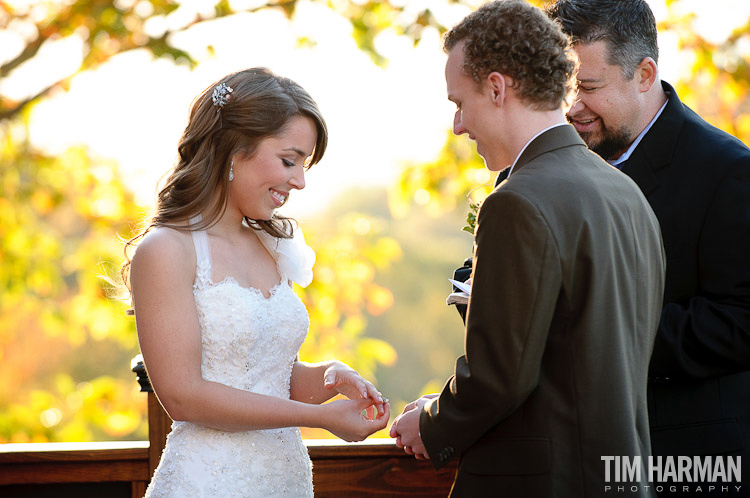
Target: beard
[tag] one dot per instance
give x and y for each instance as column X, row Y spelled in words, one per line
column 611, row 145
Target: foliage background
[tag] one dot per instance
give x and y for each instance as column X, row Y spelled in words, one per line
column 377, row 301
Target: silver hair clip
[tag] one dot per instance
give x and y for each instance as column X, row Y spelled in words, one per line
column 221, row 95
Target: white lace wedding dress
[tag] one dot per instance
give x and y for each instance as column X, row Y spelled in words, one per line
column 250, row 343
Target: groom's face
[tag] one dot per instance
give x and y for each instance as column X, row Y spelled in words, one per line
column 474, row 109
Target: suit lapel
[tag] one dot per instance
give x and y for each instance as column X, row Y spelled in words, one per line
column 658, row 145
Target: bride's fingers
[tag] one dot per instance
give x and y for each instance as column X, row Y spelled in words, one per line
column 367, row 390
column 370, row 412
column 351, row 384
column 381, row 403
column 386, row 415
column 374, row 419
column 376, row 410
column 366, row 403
column 331, row 379
column 372, row 392
column 386, row 409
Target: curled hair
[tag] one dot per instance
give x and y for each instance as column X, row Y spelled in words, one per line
column 628, row 28
column 516, row 39
column 260, row 106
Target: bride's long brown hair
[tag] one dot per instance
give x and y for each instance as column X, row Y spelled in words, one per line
column 260, row 105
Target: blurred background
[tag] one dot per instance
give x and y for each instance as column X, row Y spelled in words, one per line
column 93, row 98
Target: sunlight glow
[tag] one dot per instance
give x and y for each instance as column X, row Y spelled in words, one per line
column 51, row 417
column 133, row 108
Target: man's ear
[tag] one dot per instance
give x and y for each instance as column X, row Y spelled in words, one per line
column 646, row 74
column 497, row 84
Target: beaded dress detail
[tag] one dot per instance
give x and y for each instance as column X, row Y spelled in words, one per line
column 249, row 342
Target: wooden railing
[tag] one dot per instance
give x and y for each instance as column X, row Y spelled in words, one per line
column 373, row 468
column 36, row 470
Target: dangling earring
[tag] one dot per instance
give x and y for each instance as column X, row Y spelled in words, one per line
column 231, row 171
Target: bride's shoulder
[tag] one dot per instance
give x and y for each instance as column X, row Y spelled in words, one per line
column 165, row 246
column 165, row 239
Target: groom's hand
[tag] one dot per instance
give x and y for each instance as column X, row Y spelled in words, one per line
column 406, row 428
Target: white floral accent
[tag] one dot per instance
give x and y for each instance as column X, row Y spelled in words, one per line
column 294, row 258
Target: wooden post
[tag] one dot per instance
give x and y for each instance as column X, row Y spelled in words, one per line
column 159, row 423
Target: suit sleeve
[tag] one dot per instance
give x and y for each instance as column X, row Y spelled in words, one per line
column 710, row 335
column 515, row 287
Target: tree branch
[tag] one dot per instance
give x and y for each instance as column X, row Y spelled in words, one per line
column 7, row 113
column 30, row 51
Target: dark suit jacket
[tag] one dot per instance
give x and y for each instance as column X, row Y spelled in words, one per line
column 566, row 295
column 697, row 180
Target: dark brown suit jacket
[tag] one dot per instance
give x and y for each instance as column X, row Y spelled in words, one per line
column 566, row 296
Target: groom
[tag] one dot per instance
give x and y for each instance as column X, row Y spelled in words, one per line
column 566, row 288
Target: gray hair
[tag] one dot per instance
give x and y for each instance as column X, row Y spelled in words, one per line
column 628, row 28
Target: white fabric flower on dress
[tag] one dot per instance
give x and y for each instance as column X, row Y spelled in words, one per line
column 294, row 257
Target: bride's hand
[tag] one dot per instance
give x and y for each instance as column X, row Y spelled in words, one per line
column 347, row 381
column 347, row 420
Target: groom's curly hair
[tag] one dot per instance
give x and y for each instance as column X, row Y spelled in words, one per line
column 518, row 40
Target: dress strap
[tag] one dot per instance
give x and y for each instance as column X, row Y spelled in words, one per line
column 202, row 253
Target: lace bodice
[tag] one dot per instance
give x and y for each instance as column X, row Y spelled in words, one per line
column 249, row 342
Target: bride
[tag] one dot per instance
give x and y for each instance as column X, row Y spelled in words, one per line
column 218, row 322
